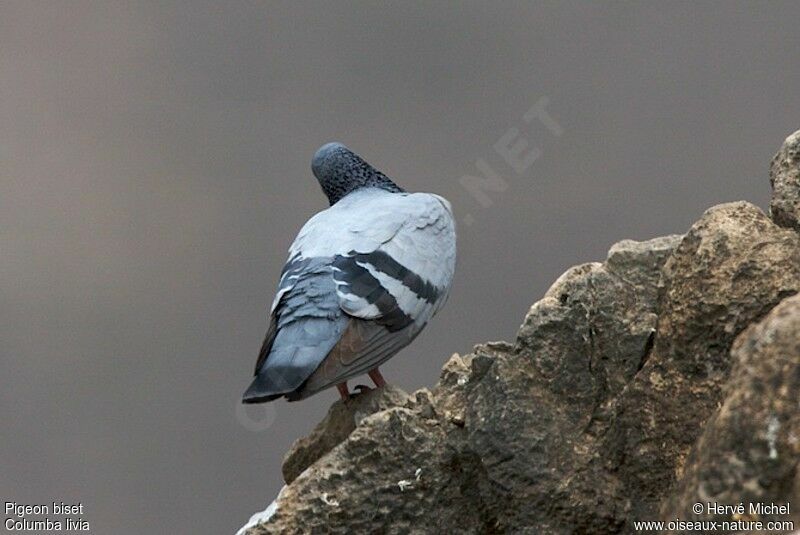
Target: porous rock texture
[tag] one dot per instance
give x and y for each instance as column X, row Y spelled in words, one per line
column 750, row 448
column 784, row 176
column 341, row 420
column 665, row 376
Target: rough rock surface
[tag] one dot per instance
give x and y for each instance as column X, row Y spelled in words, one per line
column 730, row 269
column 341, row 420
column 620, row 400
column 784, row 175
column 750, row 450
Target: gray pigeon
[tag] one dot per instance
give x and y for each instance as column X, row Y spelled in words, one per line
column 362, row 280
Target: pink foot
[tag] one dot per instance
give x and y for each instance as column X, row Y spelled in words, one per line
column 377, row 378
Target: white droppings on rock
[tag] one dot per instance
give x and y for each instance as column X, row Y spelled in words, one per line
column 327, row 500
column 772, row 436
column 404, row 484
column 262, row 516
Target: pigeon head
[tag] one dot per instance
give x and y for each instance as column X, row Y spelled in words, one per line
column 341, row 171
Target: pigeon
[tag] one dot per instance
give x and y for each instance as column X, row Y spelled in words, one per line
column 362, row 280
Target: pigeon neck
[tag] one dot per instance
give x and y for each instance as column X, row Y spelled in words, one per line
column 355, row 175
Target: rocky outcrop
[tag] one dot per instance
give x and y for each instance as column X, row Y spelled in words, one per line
column 341, row 420
column 749, row 451
column 784, row 176
column 665, row 376
column 729, row 270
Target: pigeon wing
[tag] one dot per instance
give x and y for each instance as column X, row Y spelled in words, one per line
column 389, row 287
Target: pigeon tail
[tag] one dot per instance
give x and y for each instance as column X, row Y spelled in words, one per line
column 299, row 346
column 263, row 389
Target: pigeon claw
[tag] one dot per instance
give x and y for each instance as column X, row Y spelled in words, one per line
column 361, row 389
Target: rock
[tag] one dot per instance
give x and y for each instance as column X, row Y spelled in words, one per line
column 261, row 517
column 393, row 470
column 590, row 332
column 729, row 270
column 784, row 176
column 750, row 450
column 337, row 425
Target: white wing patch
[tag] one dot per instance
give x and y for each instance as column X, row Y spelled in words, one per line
column 409, row 302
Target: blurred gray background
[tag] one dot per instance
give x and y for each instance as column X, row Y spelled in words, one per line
column 154, row 167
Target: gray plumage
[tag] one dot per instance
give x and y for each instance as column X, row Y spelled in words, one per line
column 362, row 280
